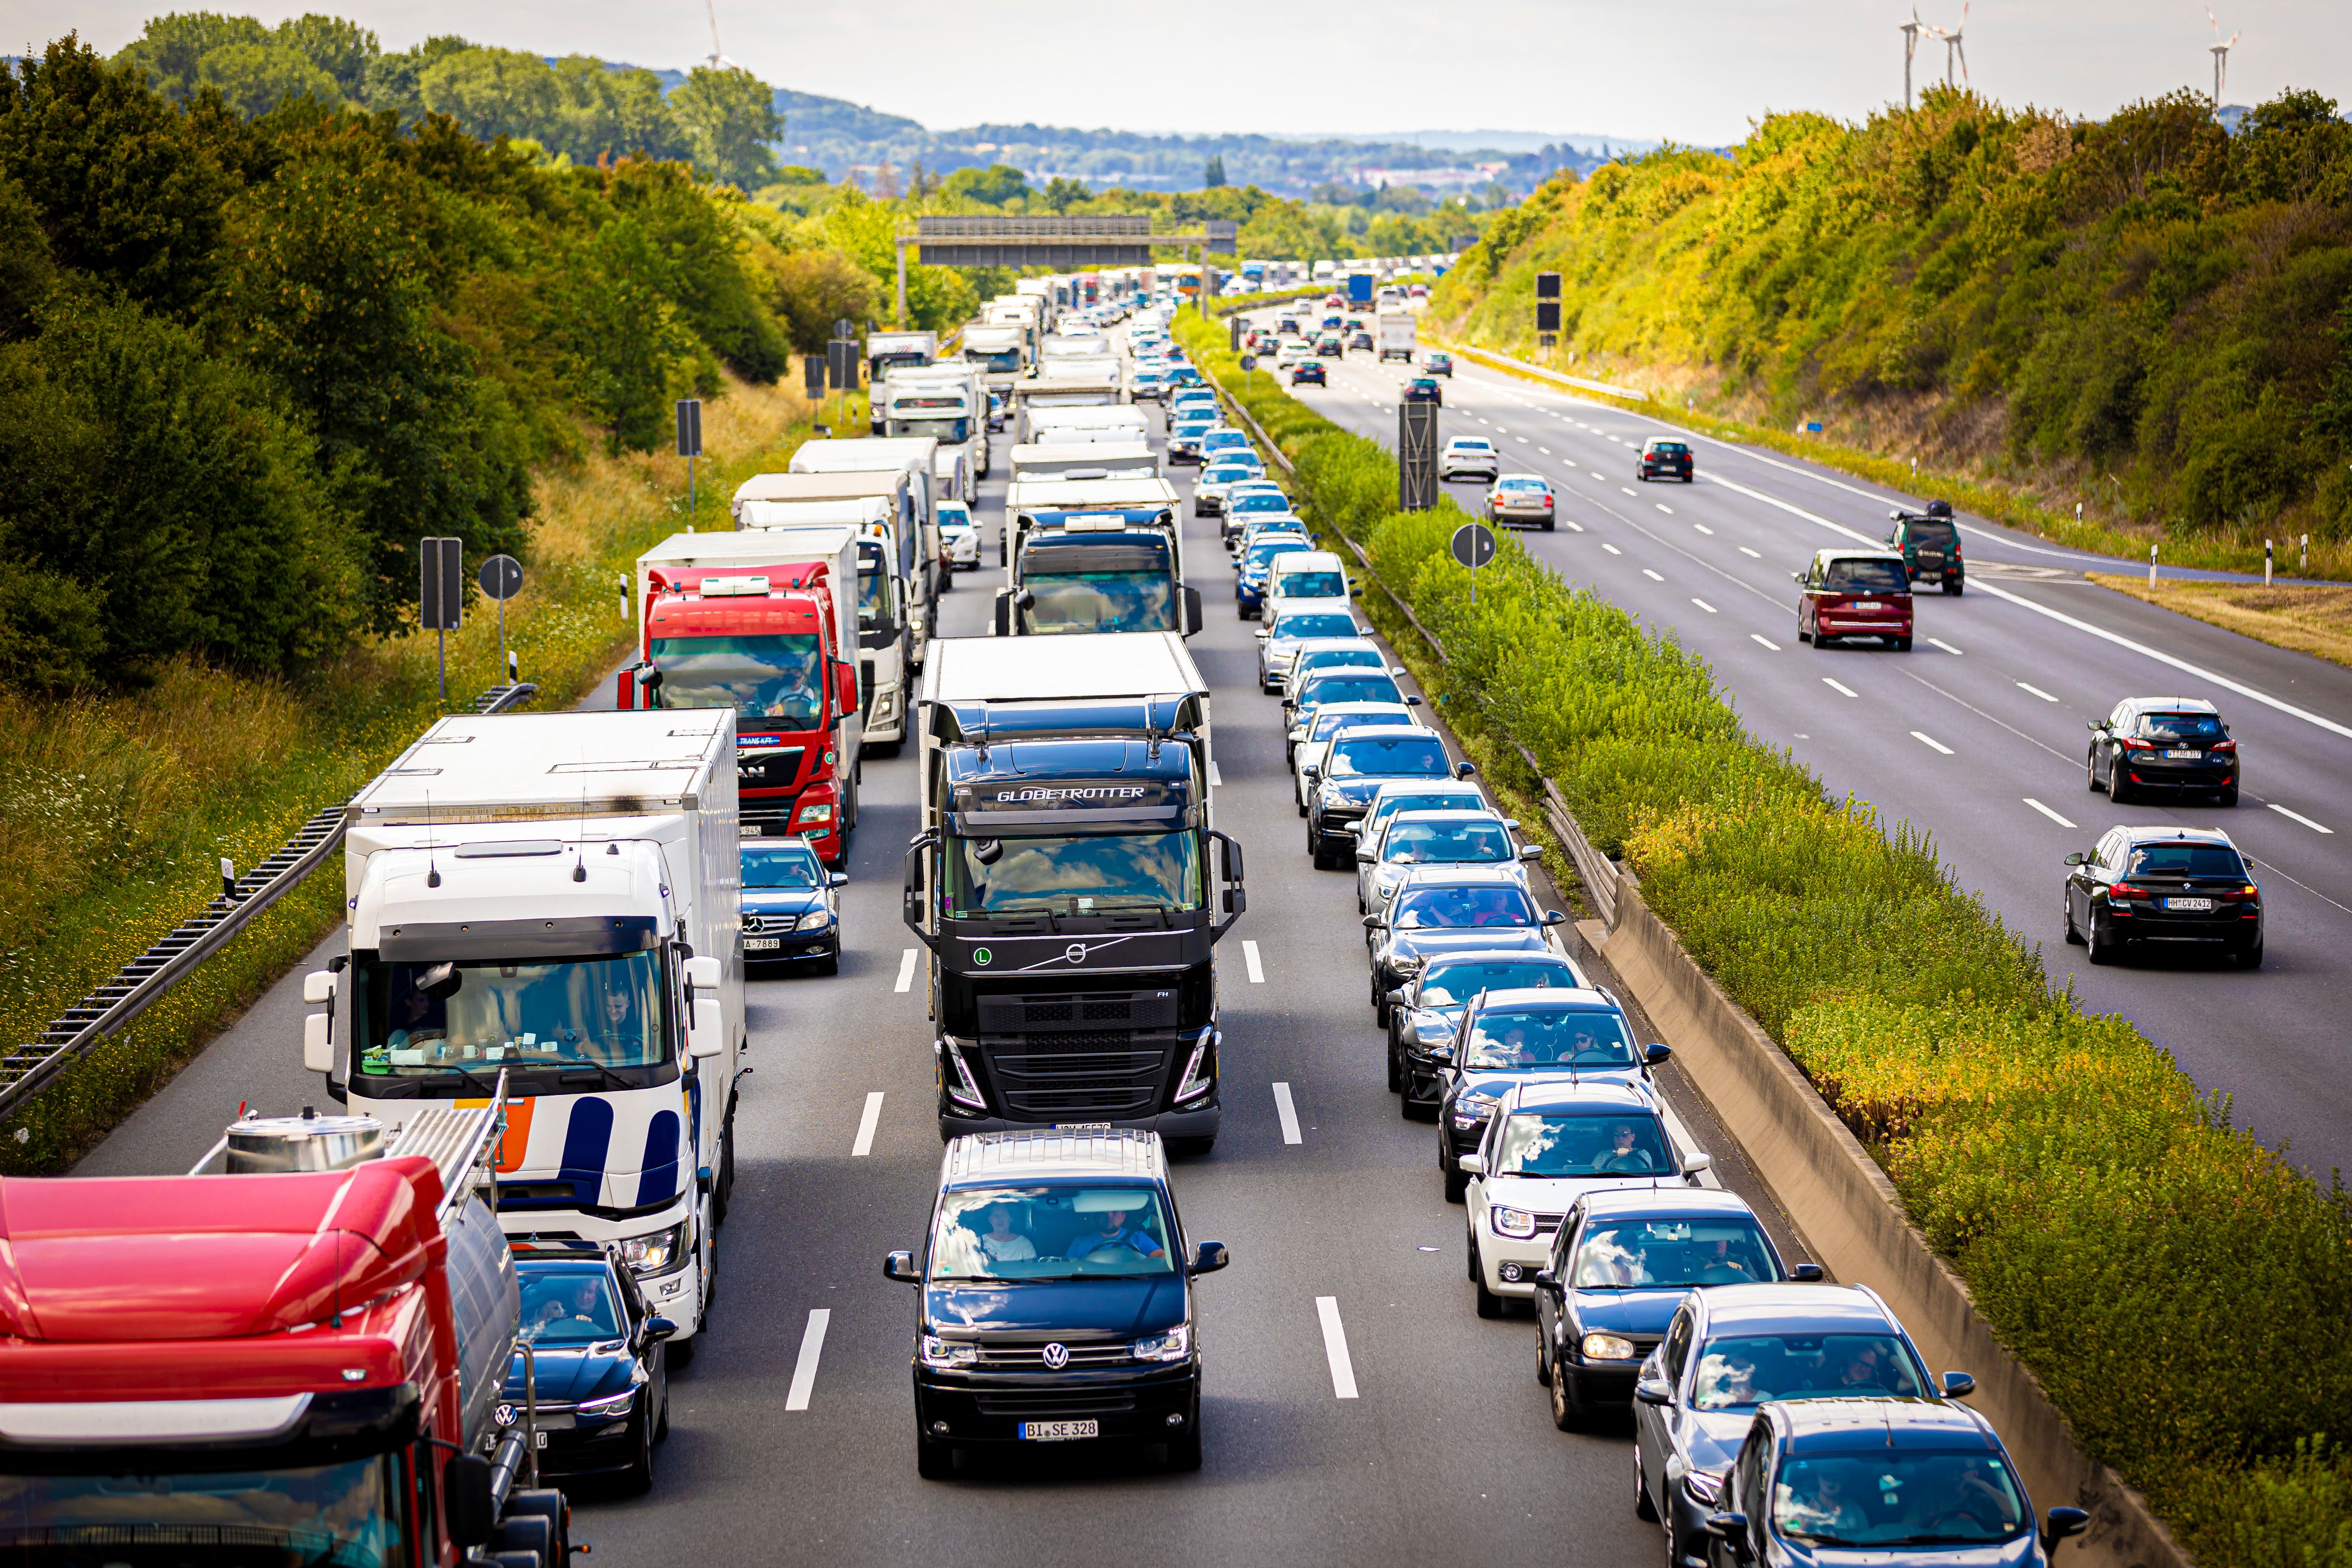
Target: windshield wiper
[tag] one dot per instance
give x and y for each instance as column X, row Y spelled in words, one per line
column 574, row 1069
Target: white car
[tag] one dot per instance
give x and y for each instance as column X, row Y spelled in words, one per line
column 1303, row 575
column 1475, row 837
column 960, row 534
column 1313, row 737
column 1550, row 1141
column 1465, row 456
column 1219, row 475
column 1355, row 652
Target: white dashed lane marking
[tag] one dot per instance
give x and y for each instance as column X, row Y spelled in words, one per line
column 1335, row 1348
column 1283, row 1109
column 906, row 969
column 2047, row 812
column 1257, row 970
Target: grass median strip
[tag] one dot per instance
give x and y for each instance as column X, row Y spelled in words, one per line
column 2182, row 1292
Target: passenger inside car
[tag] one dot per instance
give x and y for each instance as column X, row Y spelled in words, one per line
column 1799, row 1366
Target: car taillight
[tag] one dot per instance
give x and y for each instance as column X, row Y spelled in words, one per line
column 2126, row 891
column 2230, row 746
column 1547, row 501
column 2134, row 744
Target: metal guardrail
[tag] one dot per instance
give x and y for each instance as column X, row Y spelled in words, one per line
column 28, row 1068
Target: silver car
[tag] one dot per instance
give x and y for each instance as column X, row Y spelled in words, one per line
column 1520, row 498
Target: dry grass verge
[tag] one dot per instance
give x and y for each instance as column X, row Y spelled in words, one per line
column 2308, row 619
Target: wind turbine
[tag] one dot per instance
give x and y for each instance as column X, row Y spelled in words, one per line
column 2219, row 50
column 1910, row 31
column 716, row 60
column 1953, row 47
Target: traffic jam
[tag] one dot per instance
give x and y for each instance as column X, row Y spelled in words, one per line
column 574, row 937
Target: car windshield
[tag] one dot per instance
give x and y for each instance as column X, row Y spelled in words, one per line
column 1866, row 577
column 1390, row 756
column 1101, row 602
column 1667, row 1253
column 345, row 1515
column 950, row 431
column 2217, row 860
column 1345, row 686
column 2180, row 727
column 1446, row 985
column 1464, row 445
column 780, row 867
column 1320, row 582
column 1051, row 1232
column 423, row 1019
column 1315, row 625
column 1091, row 875
column 1932, row 530
column 1224, row 473
column 1522, row 485
column 1263, row 552
column 1668, row 448
column 954, row 520
column 1550, row 1037
column 758, row 676
column 1621, row 1144
column 1446, row 908
column 567, row 1304
column 1341, row 659
column 1739, row 1372
column 1329, row 725
column 1443, row 843
column 1262, row 500
column 1875, row 1499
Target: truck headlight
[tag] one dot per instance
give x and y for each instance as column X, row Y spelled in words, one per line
column 1192, row 1085
column 657, row 1253
column 815, row 813
column 1176, row 1345
column 938, row 1351
column 961, row 1086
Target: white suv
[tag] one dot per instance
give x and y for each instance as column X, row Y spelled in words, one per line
column 1468, row 456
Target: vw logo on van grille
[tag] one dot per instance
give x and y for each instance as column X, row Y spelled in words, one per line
column 1057, row 1356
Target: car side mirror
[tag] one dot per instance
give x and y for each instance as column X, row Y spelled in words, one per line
column 1372, row 922
column 1441, row 1053
column 1554, row 918
column 1397, row 998
column 1311, row 773
column 1731, row 1528
column 1797, row 577
column 1653, row 1054
column 900, row 1266
column 1959, row 1385
column 2075, row 859
column 2065, row 1523
column 1412, row 701
column 1364, row 855
column 1263, row 633
column 1530, row 851
column 657, row 1328
column 2095, row 724
column 1209, row 1257
column 1806, row 1273
column 1464, row 770
column 465, row 1499
column 1473, row 1164
column 1697, row 1159
column 1399, row 669
column 836, row 878
column 1651, row 1389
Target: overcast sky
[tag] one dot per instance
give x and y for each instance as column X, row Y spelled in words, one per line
column 1691, row 71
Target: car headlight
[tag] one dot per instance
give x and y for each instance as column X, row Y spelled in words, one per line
column 1407, row 965
column 815, row 920
column 1176, row 1345
column 816, row 813
column 938, row 1351
column 610, row 1405
column 1515, row 1222
column 657, row 1253
column 1609, row 1347
column 1471, row 1109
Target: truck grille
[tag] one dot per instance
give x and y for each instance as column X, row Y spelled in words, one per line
column 1062, row 1083
column 770, row 770
column 767, row 817
column 1019, row 1014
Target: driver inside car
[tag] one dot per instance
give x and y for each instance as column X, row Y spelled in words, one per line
column 1116, row 1233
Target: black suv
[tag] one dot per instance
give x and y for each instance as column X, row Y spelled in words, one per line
column 1930, row 543
column 2163, row 745
column 1424, row 389
column 1056, row 1300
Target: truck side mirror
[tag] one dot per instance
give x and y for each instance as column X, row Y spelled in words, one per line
column 465, row 1500
column 1004, row 611
column 1191, row 611
column 318, row 1028
column 845, row 675
column 708, row 1037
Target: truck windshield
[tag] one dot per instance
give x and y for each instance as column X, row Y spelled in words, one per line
column 416, row 1020
column 948, row 432
column 1102, row 602
column 774, row 677
column 1092, row 875
column 1000, row 360
column 346, row 1516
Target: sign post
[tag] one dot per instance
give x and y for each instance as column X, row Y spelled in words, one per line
column 441, row 596
column 689, row 446
column 502, row 579
column 1474, row 546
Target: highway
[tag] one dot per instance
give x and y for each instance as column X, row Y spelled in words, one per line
column 1978, row 736
column 1391, row 1426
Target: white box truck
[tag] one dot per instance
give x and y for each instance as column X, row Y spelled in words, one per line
column 1105, row 459
column 556, row 896
column 999, row 351
column 948, row 404
column 917, row 457
column 889, row 614
column 1396, row 336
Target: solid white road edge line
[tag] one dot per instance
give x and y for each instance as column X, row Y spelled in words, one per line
column 1287, row 1112
column 2298, row 817
column 906, row 969
column 1217, row 779
column 804, row 1369
column 1257, row 969
column 2047, row 812
column 1930, row 741
column 1335, row 1348
column 865, row 1125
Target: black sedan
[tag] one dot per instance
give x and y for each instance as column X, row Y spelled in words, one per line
column 2163, row 746
column 1509, row 1037
column 1622, row 1262
column 1307, row 369
column 2164, row 886
column 1424, row 389
column 1353, row 767
column 598, row 1366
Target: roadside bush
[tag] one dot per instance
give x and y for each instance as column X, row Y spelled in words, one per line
column 2183, row 1293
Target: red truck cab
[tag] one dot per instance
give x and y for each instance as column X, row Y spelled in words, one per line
column 306, row 1363
column 764, row 637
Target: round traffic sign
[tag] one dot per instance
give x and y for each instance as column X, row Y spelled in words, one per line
column 501, row 577
column 1249, row 362
column 1474, row 544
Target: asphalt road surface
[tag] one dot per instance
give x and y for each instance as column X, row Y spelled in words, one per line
column 1977, row 737
column 1414, row 1430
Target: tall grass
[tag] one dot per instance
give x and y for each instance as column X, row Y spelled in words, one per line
column 113, row 811
column 2183, row 1293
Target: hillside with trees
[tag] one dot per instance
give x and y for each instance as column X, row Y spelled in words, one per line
column 2150, row 314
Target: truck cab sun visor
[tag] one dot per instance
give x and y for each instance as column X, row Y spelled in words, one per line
column 574, row 936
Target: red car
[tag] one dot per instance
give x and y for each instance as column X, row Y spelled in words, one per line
column 1855, row 594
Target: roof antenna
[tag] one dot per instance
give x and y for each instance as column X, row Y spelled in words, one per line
column 432, row 871
column 579, row 839
column 1151, row 729
column 983, row 731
